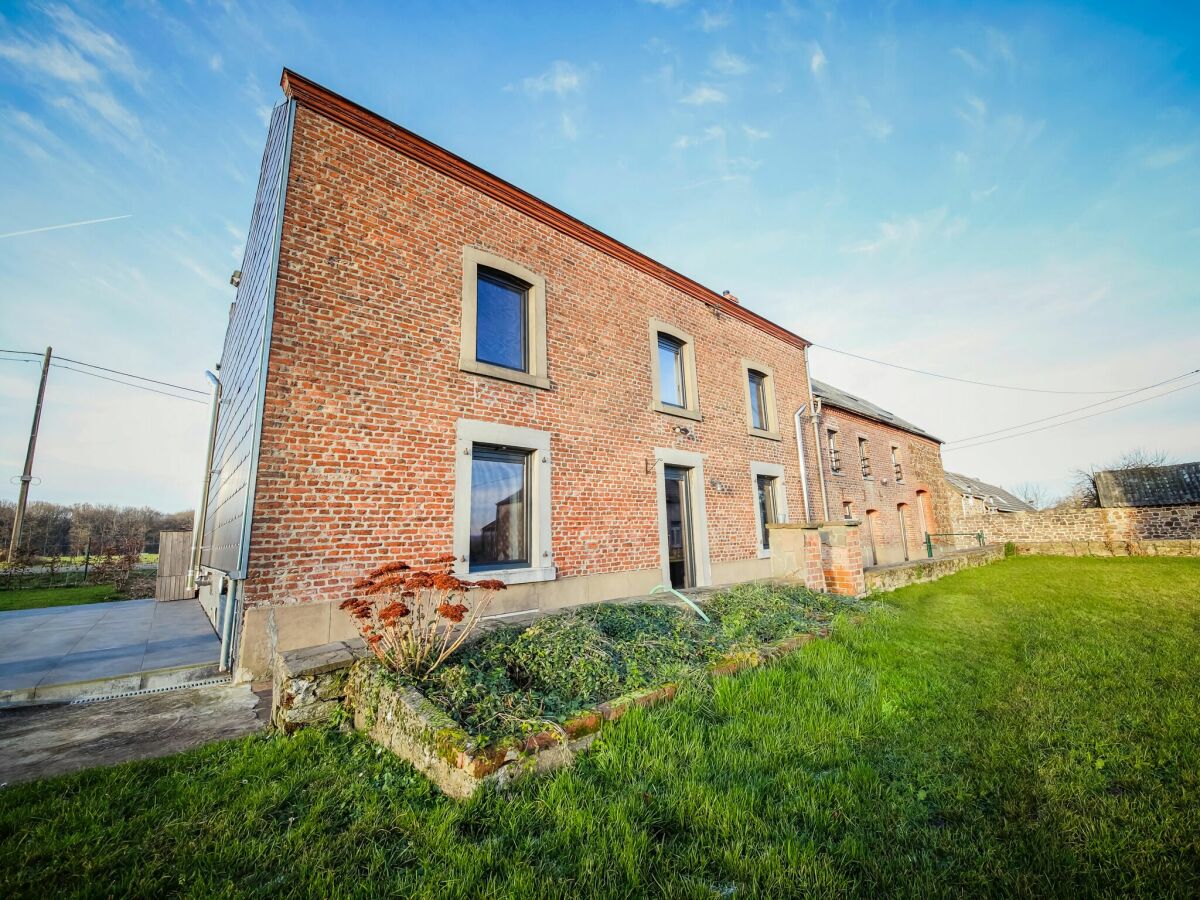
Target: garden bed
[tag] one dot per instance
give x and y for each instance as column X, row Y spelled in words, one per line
column 519, row 700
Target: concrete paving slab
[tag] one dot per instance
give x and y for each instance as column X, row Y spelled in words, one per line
column 40, row 742
column 43, row 652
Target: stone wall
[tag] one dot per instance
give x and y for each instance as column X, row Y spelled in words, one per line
column 888, row 578
column 1128, row 531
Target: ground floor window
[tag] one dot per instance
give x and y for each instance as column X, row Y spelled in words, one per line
column 500, row 517
column 770, row 502
column 767, row 509
column 502, row 502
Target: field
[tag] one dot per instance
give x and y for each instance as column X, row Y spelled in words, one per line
column 1027, row 728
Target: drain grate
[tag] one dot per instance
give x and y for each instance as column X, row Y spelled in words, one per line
column 158, row 690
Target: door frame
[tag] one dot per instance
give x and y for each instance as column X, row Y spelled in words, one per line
column 694, row 463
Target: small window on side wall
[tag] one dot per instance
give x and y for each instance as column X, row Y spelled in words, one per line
column 847, row 509
column 768, row 508
column 503, row 326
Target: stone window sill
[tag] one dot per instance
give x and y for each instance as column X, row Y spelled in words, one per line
column 767, row 435
column 679, row 412
column 475, row 367
column 516, row 576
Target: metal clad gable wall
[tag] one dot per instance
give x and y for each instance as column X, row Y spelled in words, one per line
column 244, row 363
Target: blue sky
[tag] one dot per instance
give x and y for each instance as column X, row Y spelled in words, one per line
column 1007, row 193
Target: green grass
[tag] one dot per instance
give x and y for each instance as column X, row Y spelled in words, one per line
column 1028, row 728
column 36, row 598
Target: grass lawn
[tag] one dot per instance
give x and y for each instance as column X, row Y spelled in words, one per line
column 1028, row 728
column 35, row 598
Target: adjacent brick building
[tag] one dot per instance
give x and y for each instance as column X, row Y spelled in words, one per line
column 882, row 470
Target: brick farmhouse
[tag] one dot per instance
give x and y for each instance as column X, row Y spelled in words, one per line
column 424, row 359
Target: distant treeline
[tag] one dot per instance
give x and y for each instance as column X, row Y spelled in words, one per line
column 53, row 529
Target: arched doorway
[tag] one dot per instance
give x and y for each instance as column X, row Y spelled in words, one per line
column 871, row 524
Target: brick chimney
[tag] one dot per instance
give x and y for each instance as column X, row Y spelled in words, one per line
column 728, row 295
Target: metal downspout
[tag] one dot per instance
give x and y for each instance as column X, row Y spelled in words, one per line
column 227, row 625
column 817, row 436
column 797, row 421
column 200, row 522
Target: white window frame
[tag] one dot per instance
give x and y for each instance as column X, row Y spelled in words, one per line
column 770, row 470
column 669, row 456
column 537, row 374
column 691, row 392
column 468, row 433
column 770, row 416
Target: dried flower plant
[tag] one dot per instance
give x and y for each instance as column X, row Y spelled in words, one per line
column 413, row 619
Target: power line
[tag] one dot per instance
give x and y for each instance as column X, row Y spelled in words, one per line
column 1003, row 387
column 126, row 383
column 113, row 371
column 1067, row 412
column 130, row 375
column 1078, row 419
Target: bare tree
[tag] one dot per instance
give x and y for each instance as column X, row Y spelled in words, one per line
column 1033, row 494
column 1083, row 488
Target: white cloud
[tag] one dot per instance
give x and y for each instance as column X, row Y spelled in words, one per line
column 727, row 63
column 569, row 129
column 975, row 111
column 978, row 196
column 1165, row 157
column 755, row 134
column 972, row 62
column 666, row 4
column 876, row 125
column 560, row 79
column 714, row 21
column 53, row 58
column 1000, row 46
column 704, row 95
column 712, row 133
column 216, row 62
column 903, row 234
column 817, row 61
column 97, row 44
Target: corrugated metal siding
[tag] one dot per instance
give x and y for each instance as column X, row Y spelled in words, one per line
column 244, row 364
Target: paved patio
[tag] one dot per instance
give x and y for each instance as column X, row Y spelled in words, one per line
column 110, row 645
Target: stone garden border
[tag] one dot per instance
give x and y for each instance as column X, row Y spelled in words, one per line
column 342, row 682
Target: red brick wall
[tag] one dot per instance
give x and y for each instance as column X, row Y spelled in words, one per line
column 363, row 388
column 921, row 463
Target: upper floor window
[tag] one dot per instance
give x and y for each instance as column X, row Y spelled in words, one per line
column 896, row 467
column 761, row 418
column 864, row 458
column 502, row 320
column 503, row 328
column 758, row 400
column 672, row 389
column 673, row 371
column 835, row 459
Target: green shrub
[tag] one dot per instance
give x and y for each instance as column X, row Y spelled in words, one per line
column 1010, row 549
column 512, row 681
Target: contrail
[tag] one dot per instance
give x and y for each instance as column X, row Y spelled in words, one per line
column 68, row 225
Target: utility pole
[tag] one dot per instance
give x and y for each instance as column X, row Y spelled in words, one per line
column 14, row 545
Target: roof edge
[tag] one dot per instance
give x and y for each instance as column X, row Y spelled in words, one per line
column 374, row 126
column 884, row 422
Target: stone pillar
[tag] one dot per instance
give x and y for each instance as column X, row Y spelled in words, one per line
column 841, row 558
column 796, row 554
